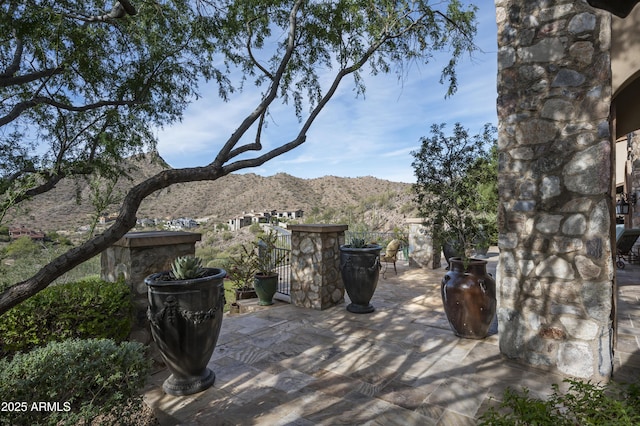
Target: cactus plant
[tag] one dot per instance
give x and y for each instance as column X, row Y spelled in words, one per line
column 186, row 268
column 358, row 243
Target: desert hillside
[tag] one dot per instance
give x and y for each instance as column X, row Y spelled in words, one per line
column 379, row 203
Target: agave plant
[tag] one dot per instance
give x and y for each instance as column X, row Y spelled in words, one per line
column 186, row 268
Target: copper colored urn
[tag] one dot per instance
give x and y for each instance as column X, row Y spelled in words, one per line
column 469, row 298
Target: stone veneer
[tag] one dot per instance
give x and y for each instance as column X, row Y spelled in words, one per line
column 421, row 251
column 556, row 273
column 138, row 255
column 315, row 265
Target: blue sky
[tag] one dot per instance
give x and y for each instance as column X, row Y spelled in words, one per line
column 352, row 137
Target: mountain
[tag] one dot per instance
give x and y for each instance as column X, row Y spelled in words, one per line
column 68, row 206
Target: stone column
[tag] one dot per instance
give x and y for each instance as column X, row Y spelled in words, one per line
column 556, row 272
column 139, row 254
column 421, row 251
column 315, row 265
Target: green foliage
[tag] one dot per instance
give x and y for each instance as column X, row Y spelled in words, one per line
column 87, row 378
column 186, row 268
column 266, row 256
column 262, row 258
column 241, row 268
column 23, row 267
column 85, row 309
column 452, row 173
column 22, row 247
column 255, row 229
column 584, row 404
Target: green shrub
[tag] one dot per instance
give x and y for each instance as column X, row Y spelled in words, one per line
column 583, row 404
column 86, row 309
column 79, row 379
column 23, row 246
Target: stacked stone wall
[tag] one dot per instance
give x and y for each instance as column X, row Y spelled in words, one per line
column 315, row 265
column 555, row 275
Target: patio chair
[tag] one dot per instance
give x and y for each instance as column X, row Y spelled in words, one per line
column 390, row 256
column 625, row 240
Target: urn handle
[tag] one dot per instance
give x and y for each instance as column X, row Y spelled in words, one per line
column 483, row 285
column 376, row 263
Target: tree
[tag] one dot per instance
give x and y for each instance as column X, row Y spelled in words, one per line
column 92, row 84
column 456, row 185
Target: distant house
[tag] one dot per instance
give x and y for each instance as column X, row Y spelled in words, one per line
column 106, row 218
column 21, row 231
column 249, row 218
column 292, row 214
column 182, row 223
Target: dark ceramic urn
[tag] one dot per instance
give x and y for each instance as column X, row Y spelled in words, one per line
column 360, row 269
column 185, row 318
column 469, row 298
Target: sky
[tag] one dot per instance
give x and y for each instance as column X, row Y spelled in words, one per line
column 354, row 136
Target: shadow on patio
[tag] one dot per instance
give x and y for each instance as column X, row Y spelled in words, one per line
column 399, row 365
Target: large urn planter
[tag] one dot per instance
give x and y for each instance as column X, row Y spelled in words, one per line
column 185, row 317
column 469, row 298
column 360, row 269
column 265, row 286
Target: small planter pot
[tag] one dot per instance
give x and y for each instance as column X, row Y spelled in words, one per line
column 185, row 318
column 266, row 287
column 360, row 269
column 245, row 293
column 469, row 298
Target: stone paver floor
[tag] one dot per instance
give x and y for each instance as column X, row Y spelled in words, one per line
column 400, row 365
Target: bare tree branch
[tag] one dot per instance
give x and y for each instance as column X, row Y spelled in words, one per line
column 223, row 156
column 19, row 108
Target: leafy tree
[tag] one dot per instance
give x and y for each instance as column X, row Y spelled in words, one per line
column 456, row 184
column 91, row 85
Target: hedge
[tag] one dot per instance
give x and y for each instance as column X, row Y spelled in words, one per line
column 74, row 382
column 91, row 308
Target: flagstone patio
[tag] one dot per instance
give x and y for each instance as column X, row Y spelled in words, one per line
column 400, row 365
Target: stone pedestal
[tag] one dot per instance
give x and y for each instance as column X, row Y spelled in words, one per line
column 139, row 254
column 421, row 251
column 315, row 265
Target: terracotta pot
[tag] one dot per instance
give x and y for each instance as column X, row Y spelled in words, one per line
column 469, row 298
column 360, row 269
column 185, row 318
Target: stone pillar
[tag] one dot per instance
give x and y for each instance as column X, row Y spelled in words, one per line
column 422, row 254
column 139, row 254
column 315, row 265
column 556, row 272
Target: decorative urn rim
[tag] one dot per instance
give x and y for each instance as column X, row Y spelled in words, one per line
column 369, row 247
column 155, row 280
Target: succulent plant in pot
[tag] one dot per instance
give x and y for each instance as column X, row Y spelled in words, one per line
column 360, row 269
column 186, row 306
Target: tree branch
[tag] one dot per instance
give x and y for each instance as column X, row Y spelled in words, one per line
column 14, row 66
column 224, row 154
column 20, row 107
column 7, row 79
column 253, row 59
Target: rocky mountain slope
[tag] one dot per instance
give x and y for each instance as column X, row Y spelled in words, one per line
column 381, row 203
